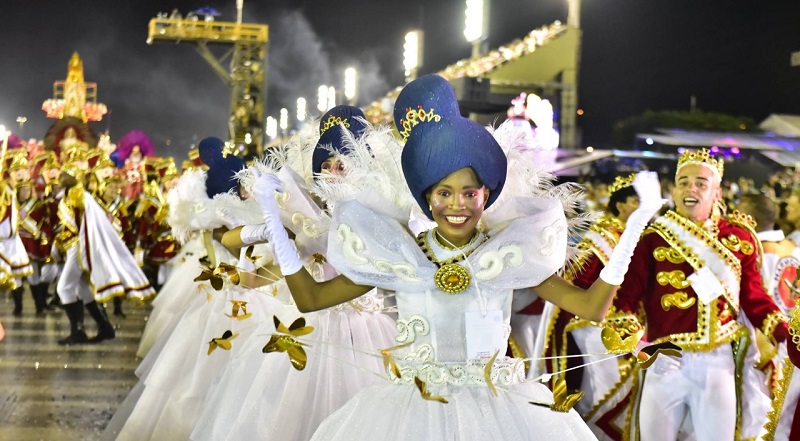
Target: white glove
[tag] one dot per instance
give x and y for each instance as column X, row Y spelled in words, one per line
column 648, row 188
column 250, row 234
column 285, row 254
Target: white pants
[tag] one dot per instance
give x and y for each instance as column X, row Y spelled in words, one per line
column 72, row 284
column 599, row 377
column 701, row 385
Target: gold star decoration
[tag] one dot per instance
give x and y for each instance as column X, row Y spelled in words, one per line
column 388, row 361
column 223, row 342
column 285, row 341
column 214, row 279
column 615, row 344
column 426, row 394
column 487, row 373
column 562, row 400
column 239, row 310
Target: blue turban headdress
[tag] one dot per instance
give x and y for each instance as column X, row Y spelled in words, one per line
column 210, row 150
column 332, row 135
column 221, row 175
column 439, row 141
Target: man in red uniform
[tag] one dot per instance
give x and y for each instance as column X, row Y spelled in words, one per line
column 570, row 335
column 33, row 217
column 155, row 242
column 694, row 281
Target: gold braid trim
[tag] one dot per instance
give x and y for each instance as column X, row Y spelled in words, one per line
column 774, row 413
column 794, row 324
column 517, row 352
column 746, row 221
column 772, row 321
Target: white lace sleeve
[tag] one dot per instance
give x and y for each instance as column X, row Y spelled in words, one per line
column 375, row 249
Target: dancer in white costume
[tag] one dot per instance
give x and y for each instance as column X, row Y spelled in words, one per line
column 264, row 396
column 194, row 352
column 453, row 321
column 191, row 211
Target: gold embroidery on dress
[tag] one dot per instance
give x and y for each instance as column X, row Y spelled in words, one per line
column 676, row 279
column 670, row 254
column 678, row 299
column 732, row 242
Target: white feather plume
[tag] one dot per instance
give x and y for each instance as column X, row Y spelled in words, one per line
column 373, row 165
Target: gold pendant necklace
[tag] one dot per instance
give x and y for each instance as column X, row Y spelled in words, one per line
column 451, row 277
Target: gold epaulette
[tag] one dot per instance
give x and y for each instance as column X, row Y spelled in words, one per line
column 749, row 224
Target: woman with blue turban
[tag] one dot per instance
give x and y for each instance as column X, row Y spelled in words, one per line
column 448, row 376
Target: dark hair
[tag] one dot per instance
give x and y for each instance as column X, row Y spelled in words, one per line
column 762, row 209
column 619, row 196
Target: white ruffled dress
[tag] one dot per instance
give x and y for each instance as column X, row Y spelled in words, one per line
column 372, row 248
column 260, row 395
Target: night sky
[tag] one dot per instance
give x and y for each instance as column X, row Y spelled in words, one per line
column 637, row 55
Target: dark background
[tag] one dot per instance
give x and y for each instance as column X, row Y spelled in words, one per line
column 637, row 55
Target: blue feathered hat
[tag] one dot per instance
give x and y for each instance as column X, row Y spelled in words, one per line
column 332, row 134
column 221, row 175
column 439, row 141
column 210, row 150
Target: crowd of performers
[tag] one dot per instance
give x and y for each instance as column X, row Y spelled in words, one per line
column 357, row 284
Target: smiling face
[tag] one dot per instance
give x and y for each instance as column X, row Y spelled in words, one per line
column 457, row 203
column 696, row 190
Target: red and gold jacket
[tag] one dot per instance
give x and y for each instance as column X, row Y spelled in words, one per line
column 35, row 229
column 658, row 290
column 153, row 234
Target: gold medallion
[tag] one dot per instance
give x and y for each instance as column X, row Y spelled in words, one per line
column 452, row 278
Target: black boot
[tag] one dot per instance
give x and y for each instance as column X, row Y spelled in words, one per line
column 77, row 335
column 17, row 294
column 39, row 293
column 118, row 307
column 104, row 329
column 55, row 302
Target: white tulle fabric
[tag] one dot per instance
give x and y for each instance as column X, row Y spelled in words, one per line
column 177, row 383
column 374, row 249
column 261, row 396
column 179, row 290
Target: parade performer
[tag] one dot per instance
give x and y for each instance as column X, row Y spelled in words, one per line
column 34, row 223
column 47, row 170
column 155, row 244
column 779, row 269
column 192, row 216
column 568, row 335
column 793, row 350
column 263, row 396
column 104, row 183
column 453, row 284
column 694, row 281
column 14, row 262
column 97, row 265
column 179, row 368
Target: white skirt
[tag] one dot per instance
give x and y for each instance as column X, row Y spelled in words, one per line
column 261, row 396
column 178, row 380
column 389, row 412
column 178, row 292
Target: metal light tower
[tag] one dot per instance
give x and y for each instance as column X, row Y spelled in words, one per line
column 246, row 75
